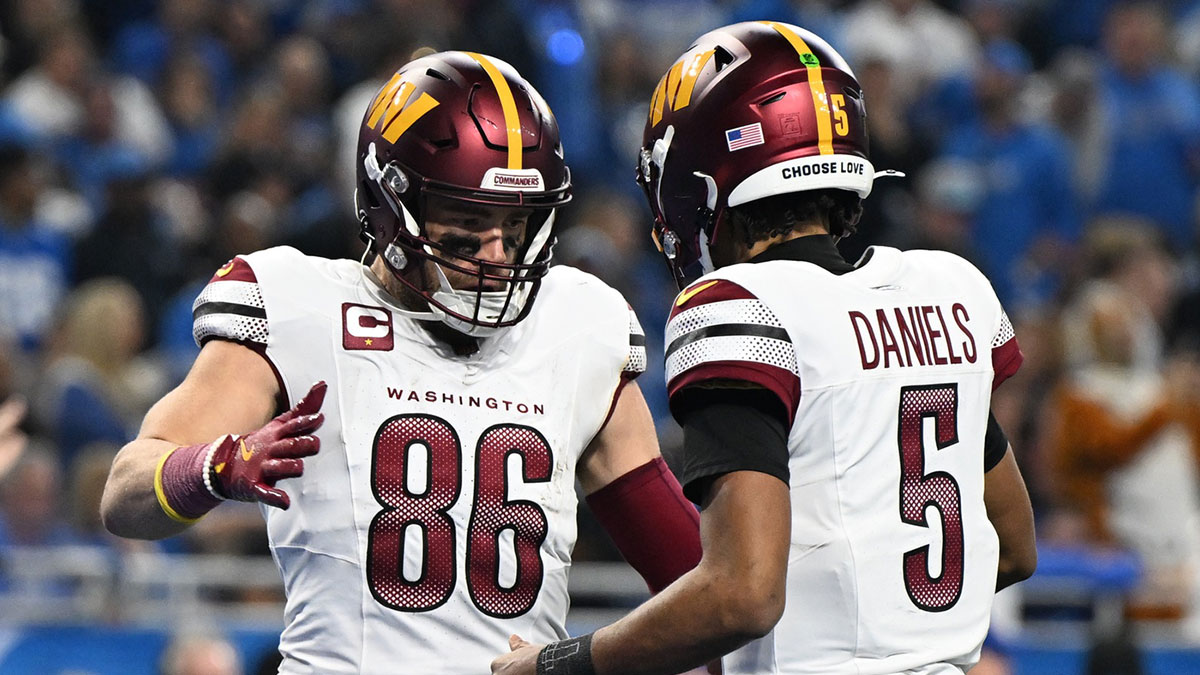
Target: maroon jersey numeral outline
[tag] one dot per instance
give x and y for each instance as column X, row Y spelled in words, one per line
column 919, row 490
column 491, row 514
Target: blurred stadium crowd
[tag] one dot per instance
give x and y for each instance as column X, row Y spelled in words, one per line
column 1055, row 143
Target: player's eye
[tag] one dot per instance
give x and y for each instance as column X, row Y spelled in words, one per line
column 462, row 245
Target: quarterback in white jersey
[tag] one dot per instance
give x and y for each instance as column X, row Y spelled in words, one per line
column 860, row 504
column 885, row 372
column 420, row 498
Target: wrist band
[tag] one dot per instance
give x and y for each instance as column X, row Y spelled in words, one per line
column 208, row 465
column 161, row 495
column 567, row 657
column 182, row 485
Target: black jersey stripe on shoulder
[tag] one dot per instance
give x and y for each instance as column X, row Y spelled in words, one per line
column 206, row 308
column 725, row 330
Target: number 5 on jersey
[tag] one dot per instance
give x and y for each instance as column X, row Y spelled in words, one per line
column 919, row 490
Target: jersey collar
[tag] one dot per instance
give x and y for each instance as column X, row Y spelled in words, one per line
column 818, row 249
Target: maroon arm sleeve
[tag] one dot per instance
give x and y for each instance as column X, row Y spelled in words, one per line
column 653, row 525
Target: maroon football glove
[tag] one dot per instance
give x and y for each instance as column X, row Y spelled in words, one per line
column 246, row 468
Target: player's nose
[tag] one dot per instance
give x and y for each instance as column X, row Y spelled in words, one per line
column 491, row 248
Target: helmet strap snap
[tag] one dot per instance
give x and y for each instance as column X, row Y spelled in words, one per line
column 395, row 256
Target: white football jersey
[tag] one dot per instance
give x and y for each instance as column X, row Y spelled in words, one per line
column 887, row 372
column 438, row 517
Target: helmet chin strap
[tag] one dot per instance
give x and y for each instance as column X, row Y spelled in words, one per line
column 710, row 201
column 658, row 156
column 386, row 297
column 706, row 263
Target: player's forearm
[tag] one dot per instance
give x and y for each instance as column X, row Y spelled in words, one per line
column 697, row 619
column 1011, row 514
column 1018, row 549
column 654, row 526
column 129, row 507
column 735, row 594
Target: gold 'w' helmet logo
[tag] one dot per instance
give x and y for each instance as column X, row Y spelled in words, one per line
column 675, row 88
column 392, row 110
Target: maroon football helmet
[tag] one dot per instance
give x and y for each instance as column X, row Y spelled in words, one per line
column 751, row 110
column 467, row 127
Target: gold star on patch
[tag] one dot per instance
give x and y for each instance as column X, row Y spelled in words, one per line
column 369, row 342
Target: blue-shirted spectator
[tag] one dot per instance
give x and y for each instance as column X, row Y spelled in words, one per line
column 925, row 41
column 94, row 388
column 144, row 48
column 190, row 106
column 34, row 259
column 96, row 155
column 1028, row 209
column 1151, row 163
column 1074, row 22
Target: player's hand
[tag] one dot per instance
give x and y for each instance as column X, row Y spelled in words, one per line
column 522, row 660
column 246, row 468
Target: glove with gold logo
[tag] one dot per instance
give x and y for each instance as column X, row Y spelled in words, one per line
column 246, row 468
column 190, row 481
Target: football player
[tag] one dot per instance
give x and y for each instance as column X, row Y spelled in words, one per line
column 860, row 505
column 462, row 386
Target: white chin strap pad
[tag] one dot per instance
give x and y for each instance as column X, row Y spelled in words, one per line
column 490, row 305
column 490, row 302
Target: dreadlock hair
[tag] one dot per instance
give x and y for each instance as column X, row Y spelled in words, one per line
column 770, row 217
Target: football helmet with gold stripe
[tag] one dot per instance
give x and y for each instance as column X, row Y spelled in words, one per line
column 468, row 129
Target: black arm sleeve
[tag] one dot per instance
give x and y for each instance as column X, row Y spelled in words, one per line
column 995, row 444
column 726, row 430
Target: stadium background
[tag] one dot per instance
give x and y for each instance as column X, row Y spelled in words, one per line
column 1056, row 143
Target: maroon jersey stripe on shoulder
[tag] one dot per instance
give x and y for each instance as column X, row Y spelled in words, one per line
column 782, row 382
column 234, row 270
column 1006, row 359
column 704, row 292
